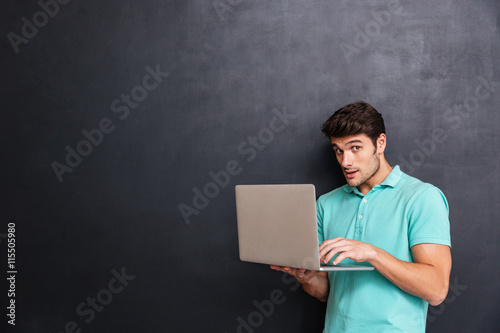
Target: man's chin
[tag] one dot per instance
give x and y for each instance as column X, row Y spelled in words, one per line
column 352, row 182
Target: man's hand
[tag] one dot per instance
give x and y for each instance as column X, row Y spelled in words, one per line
column 314, row 283
column 426, row 277
column 302, row 275
column 345, row 248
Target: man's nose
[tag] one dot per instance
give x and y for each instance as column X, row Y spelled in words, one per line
column 346, row 160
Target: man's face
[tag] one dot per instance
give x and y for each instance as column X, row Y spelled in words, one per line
column 359, row 159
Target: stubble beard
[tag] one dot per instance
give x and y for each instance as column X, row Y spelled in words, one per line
column 369, row 173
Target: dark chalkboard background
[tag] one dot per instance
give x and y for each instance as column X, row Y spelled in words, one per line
column 224, row 70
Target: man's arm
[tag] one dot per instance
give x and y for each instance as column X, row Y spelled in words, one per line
column 427, row 277
column 313, row 282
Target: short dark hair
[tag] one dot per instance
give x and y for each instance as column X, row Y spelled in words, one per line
column 353, row 119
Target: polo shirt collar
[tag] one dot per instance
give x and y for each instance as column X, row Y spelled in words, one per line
column 391, row 180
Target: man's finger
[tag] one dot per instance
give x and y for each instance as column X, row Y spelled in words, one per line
column 329, row 245
column 328, row 254
column 340, row 257
column 338, row 250
column 331, row 241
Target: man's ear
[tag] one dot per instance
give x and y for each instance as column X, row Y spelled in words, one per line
column 381, row 143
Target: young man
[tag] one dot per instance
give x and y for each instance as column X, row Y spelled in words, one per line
column 384, row 218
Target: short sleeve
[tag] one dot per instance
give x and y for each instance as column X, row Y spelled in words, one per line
column 429, row 218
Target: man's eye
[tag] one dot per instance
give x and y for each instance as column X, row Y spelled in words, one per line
column 356, row 148
column 337, row 150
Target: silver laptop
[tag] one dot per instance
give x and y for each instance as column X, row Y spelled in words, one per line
column 277, row 226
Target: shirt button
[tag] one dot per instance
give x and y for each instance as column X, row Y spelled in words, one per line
column 360, row 216
column 364, row 200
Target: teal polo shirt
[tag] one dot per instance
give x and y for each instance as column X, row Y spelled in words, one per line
column 394, row 216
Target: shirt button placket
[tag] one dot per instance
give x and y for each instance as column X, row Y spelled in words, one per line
column 360, row 221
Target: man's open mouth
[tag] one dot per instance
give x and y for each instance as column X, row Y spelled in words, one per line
column 350, row 173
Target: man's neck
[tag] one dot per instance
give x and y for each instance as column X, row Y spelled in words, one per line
column 378, row 178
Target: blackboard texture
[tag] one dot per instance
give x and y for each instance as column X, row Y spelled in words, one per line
column 127, row 124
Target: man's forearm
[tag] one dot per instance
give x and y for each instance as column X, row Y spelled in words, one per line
column 427, row 281
column 318, row 287
column 426, row 277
